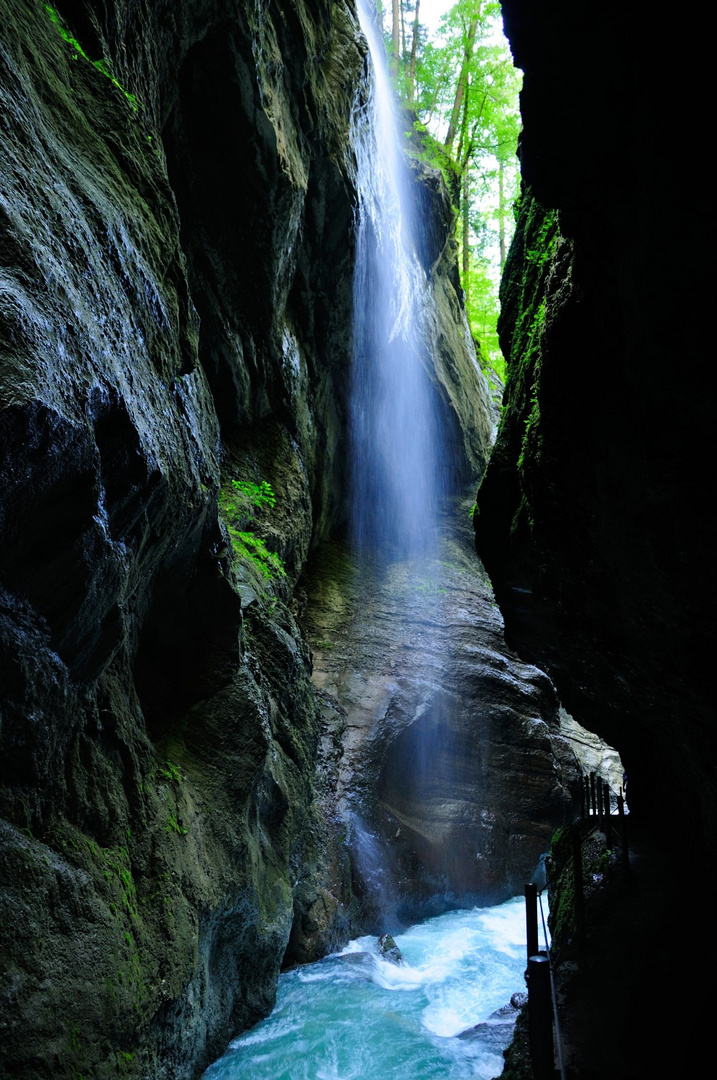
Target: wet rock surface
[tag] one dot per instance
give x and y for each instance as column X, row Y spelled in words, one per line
column 176, row 241
column 389, row 949
column 593, row 523
column 453, row 770
column 161, row 314
column 492, row 1032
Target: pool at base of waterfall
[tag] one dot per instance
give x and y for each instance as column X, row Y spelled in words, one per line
column 442, row 1012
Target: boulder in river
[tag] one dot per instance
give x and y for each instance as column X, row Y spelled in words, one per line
column 389, row 949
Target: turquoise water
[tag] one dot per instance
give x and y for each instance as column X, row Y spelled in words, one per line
column 354, row 1016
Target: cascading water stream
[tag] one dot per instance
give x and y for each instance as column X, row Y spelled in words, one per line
column 395, row 445
column 401, row 466
column 441, row 1014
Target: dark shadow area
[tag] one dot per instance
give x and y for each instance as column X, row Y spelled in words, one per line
column 189, row 643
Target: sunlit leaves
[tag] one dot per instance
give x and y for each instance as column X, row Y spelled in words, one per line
column 464, row 90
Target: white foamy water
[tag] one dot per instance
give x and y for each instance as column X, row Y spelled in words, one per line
column 354, row 1016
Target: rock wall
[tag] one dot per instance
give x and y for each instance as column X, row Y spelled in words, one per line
column 594, row 521
column 175, row 234
column 453, row 774
column 176, row 238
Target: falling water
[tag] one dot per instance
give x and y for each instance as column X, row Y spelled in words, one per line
column 442, row 1012
column 399, row 468
column 395, row 439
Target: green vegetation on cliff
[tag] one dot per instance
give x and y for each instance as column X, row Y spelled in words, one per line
column 101, row 65
column 534, row 287
column 239, row 502
column 160, row 836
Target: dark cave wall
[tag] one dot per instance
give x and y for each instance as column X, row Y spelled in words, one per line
column 594, row 519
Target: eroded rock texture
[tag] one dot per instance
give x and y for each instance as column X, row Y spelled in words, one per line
column 176, row 236
column 173, row 276
column 593, row 519
column 595, row 523
column 453, row 774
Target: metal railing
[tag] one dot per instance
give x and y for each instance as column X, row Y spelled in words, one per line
column 606, row 811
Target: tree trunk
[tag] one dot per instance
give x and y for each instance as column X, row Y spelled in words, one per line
column 414, row 49
column 465, row 213
column 462, row 83
column 501, row 214
column 396, row 34
column 403, row 30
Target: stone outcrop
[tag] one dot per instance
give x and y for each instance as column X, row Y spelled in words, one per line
column 176, row 231
column 454, row 772
column 466, row 422
column 592, row 521
column 389, row 950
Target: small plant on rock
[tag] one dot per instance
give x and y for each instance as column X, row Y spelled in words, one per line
column 238, row 503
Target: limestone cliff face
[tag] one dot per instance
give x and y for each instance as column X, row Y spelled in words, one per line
column 464, row 392
column 176, row 229
column 176, row 238
column 174, row 275
column 453, row 774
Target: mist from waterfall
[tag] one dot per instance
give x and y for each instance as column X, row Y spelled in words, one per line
column 395, row 445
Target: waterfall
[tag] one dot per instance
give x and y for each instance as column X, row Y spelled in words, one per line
column 400, row 464
column 396, row 467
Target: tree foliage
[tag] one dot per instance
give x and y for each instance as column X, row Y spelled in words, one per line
column 463, row 88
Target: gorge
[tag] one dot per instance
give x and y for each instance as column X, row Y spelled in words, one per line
column 211, row 709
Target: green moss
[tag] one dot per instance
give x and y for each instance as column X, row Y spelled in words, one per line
column 544, row 241
column 562, row 887
column 118, row 869
column 524, row 295
column 78, row 51
column 424, row 147
column 596, row 864
column 109, row 863
column 170, row 771
column 123, row 983
column 428, row 586
column 173, row 826
column 518, row 1064
column 73, row 1053
column 530, row 297
column 251, row 548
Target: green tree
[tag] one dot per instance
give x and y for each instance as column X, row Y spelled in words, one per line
column 464, row 90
